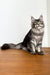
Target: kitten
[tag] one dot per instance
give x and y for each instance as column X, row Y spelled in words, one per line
column 33, row 40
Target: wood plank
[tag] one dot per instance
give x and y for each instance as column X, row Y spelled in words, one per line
column 20, row 62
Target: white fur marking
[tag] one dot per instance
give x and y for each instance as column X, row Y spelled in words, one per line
column 37, row 31
column 18, row 46
column 33, row 48
column 39, row 27
column 34, row 42
column 38, row 49
column 24, row 49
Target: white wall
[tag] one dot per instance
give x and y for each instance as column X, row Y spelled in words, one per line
column 48, row 19
column 15, row 19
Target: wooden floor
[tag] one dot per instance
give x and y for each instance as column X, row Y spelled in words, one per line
column 19, row 62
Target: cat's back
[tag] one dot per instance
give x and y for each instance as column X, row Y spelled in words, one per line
column 27, row 38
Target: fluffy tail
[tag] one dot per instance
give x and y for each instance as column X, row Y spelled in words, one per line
column 11, row 46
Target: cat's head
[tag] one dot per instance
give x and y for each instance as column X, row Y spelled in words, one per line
column 37, row 24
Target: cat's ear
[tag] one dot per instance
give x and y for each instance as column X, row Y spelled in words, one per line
column 41, row 17
column 32, row 19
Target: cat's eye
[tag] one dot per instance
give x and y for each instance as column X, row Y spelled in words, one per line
column 41, row 22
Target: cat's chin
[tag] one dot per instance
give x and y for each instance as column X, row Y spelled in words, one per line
column 38, row 30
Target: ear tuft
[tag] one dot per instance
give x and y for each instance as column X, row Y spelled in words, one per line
column 41, row 17
column 32, row 19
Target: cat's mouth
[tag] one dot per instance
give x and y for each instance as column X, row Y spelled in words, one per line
column 38, row 28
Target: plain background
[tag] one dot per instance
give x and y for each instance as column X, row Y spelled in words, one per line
column 48, row 21
column 15, row 19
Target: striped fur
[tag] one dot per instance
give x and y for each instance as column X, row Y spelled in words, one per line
column 33, row 40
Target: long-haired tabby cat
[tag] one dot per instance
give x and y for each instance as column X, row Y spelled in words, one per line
column 33, row 40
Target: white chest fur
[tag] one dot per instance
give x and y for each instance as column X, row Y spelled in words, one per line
column 36, row 39
column 34, row 42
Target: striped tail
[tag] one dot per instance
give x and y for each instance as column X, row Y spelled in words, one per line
column 11, row 46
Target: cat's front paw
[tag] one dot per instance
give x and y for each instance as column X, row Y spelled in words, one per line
column 33, row 53
column 41, row 53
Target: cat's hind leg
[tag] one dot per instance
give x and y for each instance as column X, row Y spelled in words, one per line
column 24, row 48
column 31, row 47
